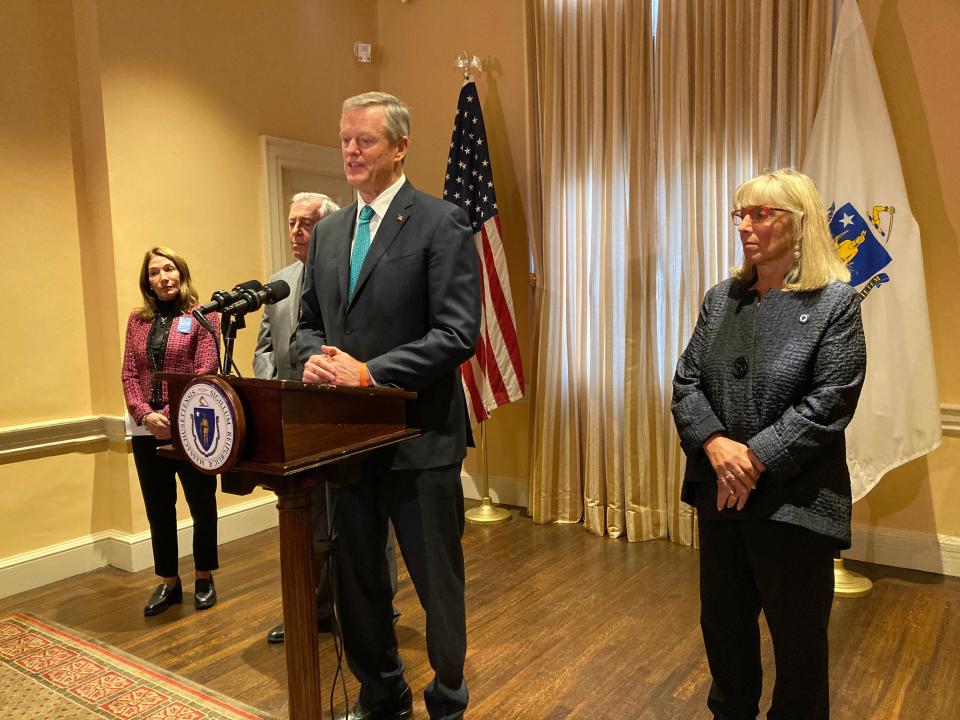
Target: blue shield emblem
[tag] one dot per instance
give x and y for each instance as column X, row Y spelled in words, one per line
column 204, row 427
column 857, row 245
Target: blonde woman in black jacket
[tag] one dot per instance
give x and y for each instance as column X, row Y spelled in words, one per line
column 761, row 397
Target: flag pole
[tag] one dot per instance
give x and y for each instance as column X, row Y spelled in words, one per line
column 487, row 513
column 849, row 584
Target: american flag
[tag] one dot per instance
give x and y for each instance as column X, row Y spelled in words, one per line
column 494, row 376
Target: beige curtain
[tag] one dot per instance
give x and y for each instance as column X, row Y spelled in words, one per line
column 639, row 143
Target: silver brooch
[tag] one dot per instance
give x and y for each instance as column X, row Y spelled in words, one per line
column 804, row 318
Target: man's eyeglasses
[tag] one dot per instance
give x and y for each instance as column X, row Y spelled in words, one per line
column 756, row 213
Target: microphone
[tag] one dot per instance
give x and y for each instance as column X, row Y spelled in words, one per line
column 222, row 298
column 252, row 298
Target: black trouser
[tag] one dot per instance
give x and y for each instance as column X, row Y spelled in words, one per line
column 787, row 571
column 159, row 487
column 426, row 508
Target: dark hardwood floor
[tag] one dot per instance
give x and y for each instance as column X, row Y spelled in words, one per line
column 562, row 624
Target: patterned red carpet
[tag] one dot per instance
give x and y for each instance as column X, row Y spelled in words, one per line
column 48, row 673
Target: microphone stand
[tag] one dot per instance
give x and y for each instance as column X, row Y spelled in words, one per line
column 229, row 325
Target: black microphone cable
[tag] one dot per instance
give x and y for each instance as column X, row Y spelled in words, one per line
column 335, row 629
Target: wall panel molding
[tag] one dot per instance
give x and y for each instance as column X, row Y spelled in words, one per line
column 57, row 436
column 950, row 420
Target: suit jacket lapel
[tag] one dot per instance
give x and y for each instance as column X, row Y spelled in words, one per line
column 295, row 281
column 343, row 237
column 390, row 226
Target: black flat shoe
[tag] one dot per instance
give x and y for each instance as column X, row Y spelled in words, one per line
column 163, row 597
column 279, row 633
column 397, row 708
column 204, row 594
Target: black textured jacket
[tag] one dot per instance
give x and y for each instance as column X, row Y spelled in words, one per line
column 782, row 376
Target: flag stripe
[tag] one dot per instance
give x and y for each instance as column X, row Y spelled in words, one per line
column 502, row 305
column 474, row 405
column 493, row 343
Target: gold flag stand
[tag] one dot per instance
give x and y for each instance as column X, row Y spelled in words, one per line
column 849, row 584
column 487, row 513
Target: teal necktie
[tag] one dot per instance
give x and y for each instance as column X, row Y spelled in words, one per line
column 360, row 246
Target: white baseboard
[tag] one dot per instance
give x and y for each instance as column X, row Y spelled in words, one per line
column 906, row 549
column 130, row 552
column 504, row 490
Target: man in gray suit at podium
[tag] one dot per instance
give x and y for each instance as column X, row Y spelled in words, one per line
column 275, row 358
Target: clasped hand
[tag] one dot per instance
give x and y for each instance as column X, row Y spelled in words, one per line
column 737, row 469
column 158, row 425
column 332, row 367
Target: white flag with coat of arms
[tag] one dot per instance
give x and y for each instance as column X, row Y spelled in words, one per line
column 852, row 157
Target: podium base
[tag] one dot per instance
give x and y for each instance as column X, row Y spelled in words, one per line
column 487, row 514
column 849, row 584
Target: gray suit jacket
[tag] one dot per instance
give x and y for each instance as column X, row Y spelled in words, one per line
column 414, row 317
column 275, row 357
column 783, row 377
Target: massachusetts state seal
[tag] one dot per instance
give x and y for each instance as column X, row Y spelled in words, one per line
column 210, row 423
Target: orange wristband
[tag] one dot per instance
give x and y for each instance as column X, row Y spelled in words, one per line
column 364, row 376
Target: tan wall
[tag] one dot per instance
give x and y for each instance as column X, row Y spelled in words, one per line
column 421, row 40
column 124, row 126
column 916, row 50
column 38, row 221
column 187, row 91
column 46, row 371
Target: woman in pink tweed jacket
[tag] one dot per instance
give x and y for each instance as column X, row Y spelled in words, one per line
column 162, row 335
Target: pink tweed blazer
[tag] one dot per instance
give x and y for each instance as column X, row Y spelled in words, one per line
column 193, row 351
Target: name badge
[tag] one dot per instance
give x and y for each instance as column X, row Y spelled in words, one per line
column 184, row 324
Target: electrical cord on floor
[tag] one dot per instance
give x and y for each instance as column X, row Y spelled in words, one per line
column 338, row 673
column 335, row 630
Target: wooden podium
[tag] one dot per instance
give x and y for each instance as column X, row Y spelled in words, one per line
column 288, row 437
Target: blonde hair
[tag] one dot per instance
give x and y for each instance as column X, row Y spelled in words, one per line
column 819, row 263
column 188, row 295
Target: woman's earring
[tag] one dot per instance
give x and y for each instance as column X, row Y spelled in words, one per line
column 796, row 255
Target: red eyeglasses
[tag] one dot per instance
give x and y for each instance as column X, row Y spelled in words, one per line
column 756, row 213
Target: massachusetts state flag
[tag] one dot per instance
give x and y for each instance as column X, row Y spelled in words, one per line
column 494, row 376
column 852, row 157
